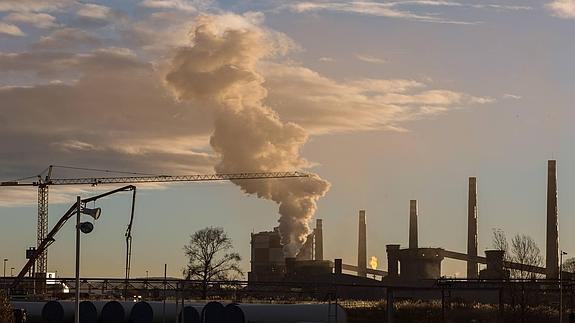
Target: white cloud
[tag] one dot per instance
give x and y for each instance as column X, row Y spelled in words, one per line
column 327, row 59
column 562, row 8
column 64, row 38
column 511, row 96
column 370, row 59
column 94, row 11
column 39, row 20
column 34, row 5
column 10, row 29
column 169, row 4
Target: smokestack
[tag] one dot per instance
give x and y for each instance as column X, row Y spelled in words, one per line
column 413, row 224
column 472, row 267
column 338, row 268
column 362, row 246
column 552, row 252
column 318, row 240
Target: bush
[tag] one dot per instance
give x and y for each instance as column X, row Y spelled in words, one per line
column 6, row 315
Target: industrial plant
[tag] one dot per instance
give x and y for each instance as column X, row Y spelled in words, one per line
column 413, row 273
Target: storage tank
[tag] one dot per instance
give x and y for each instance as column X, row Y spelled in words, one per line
column 293, row 313
column 53, row 312
column 190, row 314
column 213, row 312
column 113, row 312
column 234, row 314
column 141, row 312
column 33, row 310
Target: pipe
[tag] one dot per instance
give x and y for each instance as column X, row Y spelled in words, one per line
column 234, row 314
column 413, row 224
column 362, row 246
column 53, row 312
column 113, row 312
column 552, row 247
column 472, row 266
column 318, row 239
column 33, row 310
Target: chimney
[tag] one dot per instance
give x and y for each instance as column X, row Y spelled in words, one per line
column 338, row 266
column 362, row 246
column 318, row 240
column 552, row 248
column 413, row 224
column 392, row 260
column 472, row 267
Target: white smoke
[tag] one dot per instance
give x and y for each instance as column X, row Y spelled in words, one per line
column 218, row 71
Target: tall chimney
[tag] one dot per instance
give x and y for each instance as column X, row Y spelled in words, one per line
column 413, row 224
column 318, row 240
column 552, row 252
column 472, row 267
column 362, row 246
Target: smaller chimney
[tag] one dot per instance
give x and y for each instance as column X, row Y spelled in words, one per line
column 392, row 260
column 338, row 266
column 413, row 224
column 318, row 240
column 362, row 246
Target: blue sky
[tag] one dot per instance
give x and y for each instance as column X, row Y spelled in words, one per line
column 401, row 99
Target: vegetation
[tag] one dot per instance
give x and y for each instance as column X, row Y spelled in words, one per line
column 6, row 315
column 524, row 250
column 211, row 257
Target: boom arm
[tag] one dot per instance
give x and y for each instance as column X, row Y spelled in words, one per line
column 156, row 179
column 50, row 237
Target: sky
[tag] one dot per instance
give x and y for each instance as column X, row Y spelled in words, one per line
column 385, row 101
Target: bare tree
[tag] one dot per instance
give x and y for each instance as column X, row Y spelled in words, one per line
column 569, row 265
column 499, row 242
column 211, row 257
column 525, row 252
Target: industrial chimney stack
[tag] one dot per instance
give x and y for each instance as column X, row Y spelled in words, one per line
column 362, row 246
column 472, row 267
column 318, row 240
column 413, row 224
column 552, row 250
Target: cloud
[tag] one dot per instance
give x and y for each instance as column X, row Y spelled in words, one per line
column 324, row 105
column 116, row 115
column 10, row 30
column 169, row 4
column 389, row 10
column 34, row 5
column 562, row 8
column 94, row 11
column 67, row 38
column 326, row 59
column 370, row 59
column 511, row 96
column 38, row 20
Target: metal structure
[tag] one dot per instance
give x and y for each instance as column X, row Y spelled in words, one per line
column 43, row 183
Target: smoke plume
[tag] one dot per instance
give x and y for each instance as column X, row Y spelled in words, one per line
column 218, row 72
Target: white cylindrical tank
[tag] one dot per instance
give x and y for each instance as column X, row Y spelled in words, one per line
column 293, row 313
column 213, row 312
column 190, row 314
column 142, row 312
column 234, row 314
column 173, row 310
column 113, row 312
column 33, row 310
column 53, row 312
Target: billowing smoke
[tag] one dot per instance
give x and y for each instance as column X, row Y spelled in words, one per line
column 218, row 71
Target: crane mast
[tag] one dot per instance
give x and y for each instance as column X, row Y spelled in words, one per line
column 43, row 185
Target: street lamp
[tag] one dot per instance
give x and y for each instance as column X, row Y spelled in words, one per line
column 561, row 286
column 84, row 227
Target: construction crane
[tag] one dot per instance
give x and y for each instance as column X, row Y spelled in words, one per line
column 44, row 180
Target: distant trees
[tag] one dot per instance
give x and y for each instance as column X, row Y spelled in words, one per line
column 6, row 315
column 211, row 257
column 569, row 265
column 524, row 250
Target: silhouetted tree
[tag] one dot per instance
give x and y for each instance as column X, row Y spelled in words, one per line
column 569, row 265
column 211, row 257
column 524, row 250
column 6, row 315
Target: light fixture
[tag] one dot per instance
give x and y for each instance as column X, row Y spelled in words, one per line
column 94, row 213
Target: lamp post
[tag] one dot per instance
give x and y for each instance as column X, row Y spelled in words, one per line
column 561, row 285
column 85, row 227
